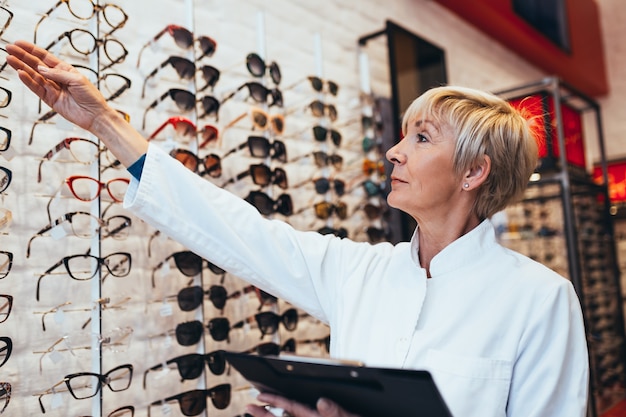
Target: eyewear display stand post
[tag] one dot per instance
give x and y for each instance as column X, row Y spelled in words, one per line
column 564, row 222
column 414, row 66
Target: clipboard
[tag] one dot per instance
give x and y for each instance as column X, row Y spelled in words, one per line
column 365, row 391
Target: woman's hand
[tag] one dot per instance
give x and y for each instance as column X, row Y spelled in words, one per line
column 75, row 98
column 325, row 408
column 57, row 83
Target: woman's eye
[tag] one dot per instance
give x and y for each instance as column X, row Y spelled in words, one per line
column 421, row 138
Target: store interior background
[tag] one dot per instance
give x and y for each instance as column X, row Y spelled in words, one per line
column 304, row 38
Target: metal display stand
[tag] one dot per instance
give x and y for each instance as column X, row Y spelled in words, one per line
column 564, row 221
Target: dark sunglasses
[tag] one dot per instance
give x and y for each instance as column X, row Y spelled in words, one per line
column 126, row 411
column 372, row 189
column 259, row 93
column 189, row 333
column 342, row 232
column 190, row 366
column 185, row 101
column 193, row 402
column 261, row 147
column 6, row 304
column 320, row 134
column 256, row 66
column 262, row 175
column 211, row 164
column 271, row 348
column 325, row 209
column 376, row 234
column 183, row 39
column 269, row 321
column 186, row 70
column 190, row 298
column 323, row 185
column 266, row 206
column 6, row 347
column 322, row 159
column 318, row 85
column 189, row 264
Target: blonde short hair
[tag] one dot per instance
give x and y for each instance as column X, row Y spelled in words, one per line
column 483, row 124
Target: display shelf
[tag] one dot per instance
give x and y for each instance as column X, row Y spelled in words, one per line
column 564, row 221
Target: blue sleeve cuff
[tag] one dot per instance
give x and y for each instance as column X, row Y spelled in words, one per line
column 137, row 167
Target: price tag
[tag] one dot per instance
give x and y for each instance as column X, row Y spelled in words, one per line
column 57, row 401
column 58, row 232
column 166, row 410
column 166, row 309
column 59, row 316
column 55, row 357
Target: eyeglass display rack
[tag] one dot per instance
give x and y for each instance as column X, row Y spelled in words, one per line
column 564, row 222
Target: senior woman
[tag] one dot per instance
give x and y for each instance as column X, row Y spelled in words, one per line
column 502, row 334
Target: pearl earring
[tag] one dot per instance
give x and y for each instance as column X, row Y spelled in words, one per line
column 466, row 185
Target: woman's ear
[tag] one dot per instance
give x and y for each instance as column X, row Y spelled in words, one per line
column 478, row 174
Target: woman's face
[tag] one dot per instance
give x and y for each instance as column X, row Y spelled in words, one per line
column 423, row 182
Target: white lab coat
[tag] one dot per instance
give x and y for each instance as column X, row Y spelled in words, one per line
column 501, row 334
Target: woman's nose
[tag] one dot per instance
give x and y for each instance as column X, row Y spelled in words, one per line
column 394, row 155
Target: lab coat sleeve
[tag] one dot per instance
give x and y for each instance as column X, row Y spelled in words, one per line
column 231, row 233
column 550, row 376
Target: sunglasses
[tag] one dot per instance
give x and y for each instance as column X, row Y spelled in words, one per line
column 262, row 175
column 83, row 267
column 322, row 159
column 188, row 263
column 320, row 134
column 369, row 167
column 342, row 232
column 376, row 234
column 6, row 347
column 369, row 143
column 126, row 411
column 322, row 341
column 211, row 163
column 185, row 101
column 271, row 348
column 6, row 305
column 323, row 185
column 261, row 147
column 83, row 385
column 373, row 189
column 318, row 84
column 190, row 333
column 268, row 321
column 259, row 93
column 256, row 66
column 113, row 15
column 373, row 211
column 186, row 129
column 186, row 70
column 5, row 395
column 85, row 43
column 190, row 366
column 261, row 120
column 193, row 402
column 183, row 39
column 6, row 262
column 267, row 206
column 84, row 225
column 190, row 298
column 325, row 209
